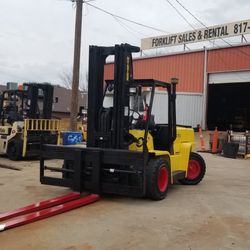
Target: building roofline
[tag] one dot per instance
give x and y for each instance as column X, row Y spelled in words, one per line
column 187, row 52
column 194, row 51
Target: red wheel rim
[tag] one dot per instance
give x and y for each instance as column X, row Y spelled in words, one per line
column 162, row 181
column 194, row 169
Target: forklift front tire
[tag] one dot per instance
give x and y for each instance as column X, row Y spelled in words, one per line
column 158, row 179
column 14, row 150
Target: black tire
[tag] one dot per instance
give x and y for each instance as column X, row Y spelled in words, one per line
column 14, row 150
column 198, row 162
column 156, row 187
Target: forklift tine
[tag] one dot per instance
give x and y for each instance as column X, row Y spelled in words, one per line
column 39, row 206
column 29, row 218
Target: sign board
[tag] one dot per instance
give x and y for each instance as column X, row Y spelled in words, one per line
column 198, row 35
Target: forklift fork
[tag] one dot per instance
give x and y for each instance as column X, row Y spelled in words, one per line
column 44, row 209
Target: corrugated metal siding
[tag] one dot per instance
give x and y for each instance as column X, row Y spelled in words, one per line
column 188, row 108
column 187, row 67
column 229, row 59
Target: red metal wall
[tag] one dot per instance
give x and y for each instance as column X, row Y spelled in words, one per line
column 189, row 67
column 229, row 59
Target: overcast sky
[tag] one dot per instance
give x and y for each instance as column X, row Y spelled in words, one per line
column 36, row 36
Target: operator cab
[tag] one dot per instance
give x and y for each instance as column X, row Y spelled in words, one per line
column 139, row 113
column 11, row 106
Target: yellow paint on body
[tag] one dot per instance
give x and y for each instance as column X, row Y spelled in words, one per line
column 183, row 145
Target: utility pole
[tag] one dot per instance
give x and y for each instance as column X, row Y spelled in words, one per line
column 76, row 65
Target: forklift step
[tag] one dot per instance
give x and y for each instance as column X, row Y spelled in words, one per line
column 62, row 205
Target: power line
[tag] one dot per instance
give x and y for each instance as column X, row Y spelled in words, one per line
column 191, row 14
column 222, row 59
column 132, row 29
column 126, row 19
column 204, row 25
column 84, row 1
column 183, row 17
column 239, row 50
column 126, row 27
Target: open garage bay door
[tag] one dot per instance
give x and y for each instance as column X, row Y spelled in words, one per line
column 229, row 101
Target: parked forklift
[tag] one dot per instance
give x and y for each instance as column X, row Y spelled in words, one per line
column 25, row 116
column 127, row 153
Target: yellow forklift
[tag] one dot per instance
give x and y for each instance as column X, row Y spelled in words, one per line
column 127, row 153
column 25, row 115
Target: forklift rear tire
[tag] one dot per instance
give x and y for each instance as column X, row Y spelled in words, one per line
column 196, row 170
column 14, row 150
column 158, row 178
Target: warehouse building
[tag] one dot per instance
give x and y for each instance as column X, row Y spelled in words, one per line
column 213, row 89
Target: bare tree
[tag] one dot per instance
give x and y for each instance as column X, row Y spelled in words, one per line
column 84, row 84
column 66, row 78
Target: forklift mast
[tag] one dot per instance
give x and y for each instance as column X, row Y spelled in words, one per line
column 40, row 96
column 108, row 127
column 101, row 119
column 33, row 101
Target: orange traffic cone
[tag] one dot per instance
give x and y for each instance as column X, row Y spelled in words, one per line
column 202, row 142
column 215, row 141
